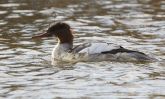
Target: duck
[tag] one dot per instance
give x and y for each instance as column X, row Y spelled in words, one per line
column 65, row 51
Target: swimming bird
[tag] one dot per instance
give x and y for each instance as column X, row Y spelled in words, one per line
column 65, row 51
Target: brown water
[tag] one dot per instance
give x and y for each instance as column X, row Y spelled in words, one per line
column 25, row 70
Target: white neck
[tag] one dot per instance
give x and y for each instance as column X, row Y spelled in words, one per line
column 61, row 48
column 65, row 46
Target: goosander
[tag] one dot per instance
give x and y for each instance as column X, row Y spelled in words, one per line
column 64, row 50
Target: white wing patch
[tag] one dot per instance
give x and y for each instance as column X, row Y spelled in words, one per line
column 94, row 48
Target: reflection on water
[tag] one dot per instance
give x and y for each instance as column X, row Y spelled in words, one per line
column 25, row 70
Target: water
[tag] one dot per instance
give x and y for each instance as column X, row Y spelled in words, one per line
column 25, row 70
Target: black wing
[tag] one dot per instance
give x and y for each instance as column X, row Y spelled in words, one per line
column 121, row 50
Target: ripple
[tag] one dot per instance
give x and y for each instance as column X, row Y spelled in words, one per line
column 23, row 11
column 11, row 4
column 3, row 12
column 12, row 16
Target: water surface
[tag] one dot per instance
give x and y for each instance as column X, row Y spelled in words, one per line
column 25, row 70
